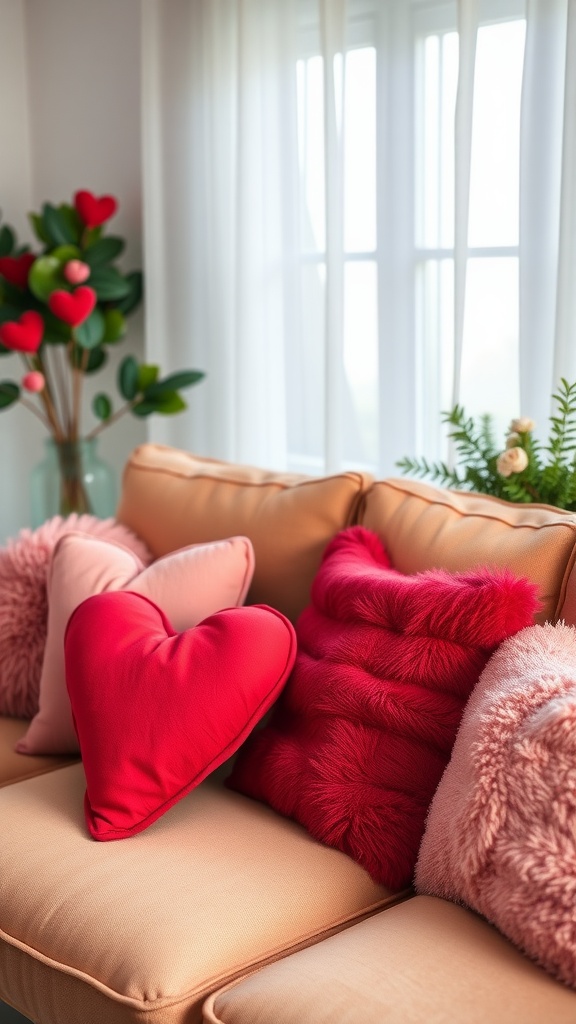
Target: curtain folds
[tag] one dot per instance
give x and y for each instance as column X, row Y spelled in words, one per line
column 228, row 288
column 547, row 191
column 219, row 208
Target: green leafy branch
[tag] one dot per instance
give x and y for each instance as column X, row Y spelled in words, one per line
column 523, row 471
column 67, row 354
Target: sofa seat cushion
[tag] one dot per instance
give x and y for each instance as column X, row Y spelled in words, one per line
column 145, row 929
column 173, row 499
column 13, row 766
column 425, row 960
column 425, row 527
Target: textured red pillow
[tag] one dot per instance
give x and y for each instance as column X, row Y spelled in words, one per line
column 366, row 724
column 156, row 710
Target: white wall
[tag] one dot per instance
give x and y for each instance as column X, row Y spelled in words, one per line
column 70, row 111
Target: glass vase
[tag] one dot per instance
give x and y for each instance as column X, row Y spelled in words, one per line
column 72, row 478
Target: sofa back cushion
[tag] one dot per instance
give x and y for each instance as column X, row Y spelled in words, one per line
column 171, row 499
column 424, row 527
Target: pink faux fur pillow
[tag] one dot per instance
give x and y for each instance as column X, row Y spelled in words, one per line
column 501, row 831
column 23, row 605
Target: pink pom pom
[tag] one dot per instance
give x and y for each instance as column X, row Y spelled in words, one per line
column 33, row 381
column 76, row 272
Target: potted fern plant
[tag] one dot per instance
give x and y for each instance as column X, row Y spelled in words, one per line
column 524, row 470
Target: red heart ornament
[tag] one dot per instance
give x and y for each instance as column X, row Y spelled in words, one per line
column 25, row 334
column 73, row 307
column 15, row 269
column 156, row 711
column 92, row 210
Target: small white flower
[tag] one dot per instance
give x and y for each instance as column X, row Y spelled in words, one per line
column 513, row 460
column 522, row 425
column 512, row 440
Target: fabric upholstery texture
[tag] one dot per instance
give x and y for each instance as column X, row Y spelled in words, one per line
column 156, row 710
column 365, row 728
column 173, row 498
column 427, row 527
column 424, row 960
column 13, row 766
column 145, row 930
column 188, row 585
column 24, row 563
column 501, row 833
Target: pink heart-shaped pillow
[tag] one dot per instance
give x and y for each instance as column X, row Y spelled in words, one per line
column 73, row 307
column 25, row 334
column 93, row 210
column 156, row 711
column 188, row 585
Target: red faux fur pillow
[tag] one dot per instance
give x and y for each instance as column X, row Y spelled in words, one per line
column 366, row 724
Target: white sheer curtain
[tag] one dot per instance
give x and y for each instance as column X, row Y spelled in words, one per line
column 220, row 164
column 547, row 223
column 548, row 204
column 228, row 289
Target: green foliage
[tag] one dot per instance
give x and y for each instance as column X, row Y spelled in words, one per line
column 7, row 241
column 91, row 332
column 64, row 239
column 104, row 251
column 9, row 393
column 544, row 473
column 128, row 378
column 102, row 406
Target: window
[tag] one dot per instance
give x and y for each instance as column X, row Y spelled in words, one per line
column 489, row 375
column 405, row 315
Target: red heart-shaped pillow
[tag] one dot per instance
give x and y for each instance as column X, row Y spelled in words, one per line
column 157, row 711
column 15, row 269
column 73, row 307
column 93, row 210
column 25, row 334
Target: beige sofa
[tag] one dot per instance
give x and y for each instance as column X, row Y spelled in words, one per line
column 222, row 910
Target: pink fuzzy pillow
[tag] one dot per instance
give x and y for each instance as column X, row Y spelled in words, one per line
column 24, row 565
column 365, row 726
column 501, row 831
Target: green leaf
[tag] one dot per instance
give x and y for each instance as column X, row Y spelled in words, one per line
column 7, row 240
column 147, row 374
column 9, row 393
column 183, row 379
column 14, row 296
column 102, row 406
column 166, row 404
column 45, row 277
column 96, row 358
column 128, row 378
column 69, row 217
column 90, row 333
column 8, row 312
column 56, row 331
column 115, row 326
column 38, row 227
column 108, row 284
column 135, row 280
column 66, row 252
column 57, row 226
column 104, row 251
column 91, row 236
